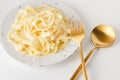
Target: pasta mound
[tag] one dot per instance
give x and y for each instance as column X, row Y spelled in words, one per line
column 39, row 31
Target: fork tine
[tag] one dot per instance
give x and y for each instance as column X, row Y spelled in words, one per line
column 76, row 26
column 72, row 27
column 76, row 22
column 81, row 27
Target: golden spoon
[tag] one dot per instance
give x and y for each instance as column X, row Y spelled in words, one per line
column 102, row 36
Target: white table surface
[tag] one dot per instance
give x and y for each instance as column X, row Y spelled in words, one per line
column 104, row 65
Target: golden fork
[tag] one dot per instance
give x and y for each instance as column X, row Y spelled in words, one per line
column 77, row 35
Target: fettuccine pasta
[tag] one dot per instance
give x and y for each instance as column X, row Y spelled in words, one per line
column 39, row 31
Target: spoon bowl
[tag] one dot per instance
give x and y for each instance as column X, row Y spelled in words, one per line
column 103, row 36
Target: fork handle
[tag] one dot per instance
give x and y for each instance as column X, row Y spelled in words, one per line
column 75, row 74
column 83, row 63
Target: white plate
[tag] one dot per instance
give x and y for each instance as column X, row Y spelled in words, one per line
column 42, row 60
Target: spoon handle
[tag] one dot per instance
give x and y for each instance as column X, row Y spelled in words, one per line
column 75, row 74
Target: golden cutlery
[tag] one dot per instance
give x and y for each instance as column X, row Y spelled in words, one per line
column 77, row 35
column 102, row 36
